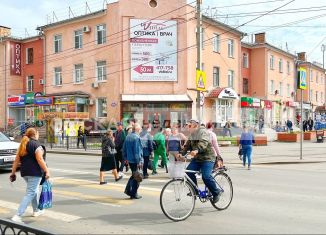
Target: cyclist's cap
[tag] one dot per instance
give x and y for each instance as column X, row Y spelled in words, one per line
column 194, row 121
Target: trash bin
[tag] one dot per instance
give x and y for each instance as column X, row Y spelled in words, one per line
column 319, row 136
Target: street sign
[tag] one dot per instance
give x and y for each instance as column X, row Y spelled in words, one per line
column 302, row 79
column 200, row 80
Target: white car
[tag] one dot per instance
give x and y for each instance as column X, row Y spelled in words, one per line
column 8, row 150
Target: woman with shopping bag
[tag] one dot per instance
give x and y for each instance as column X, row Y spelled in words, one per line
column 32, row 167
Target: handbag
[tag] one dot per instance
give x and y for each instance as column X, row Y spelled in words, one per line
column 138, row 176
column 45, row 201
column 112, row 151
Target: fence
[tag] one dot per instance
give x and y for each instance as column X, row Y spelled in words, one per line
column 8, row 227
column 74, row 142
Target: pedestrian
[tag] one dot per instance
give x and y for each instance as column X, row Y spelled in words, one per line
column 215, row 148
column 305, row 125
column 108, row 162
column 80, row 136
column 310, row 123
column 147, row 145
column 203, row 160
column 246, row 141
column 133, row 151
column 227, row 128
column 32, row 168
column 167, row 133
column 175, row 144
column 160, row 150
column 119, row 139
column 261, row 124
column 289, row 125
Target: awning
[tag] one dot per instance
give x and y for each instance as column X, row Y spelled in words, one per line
column 321, row 109
column 156, row 98
column 223, row 93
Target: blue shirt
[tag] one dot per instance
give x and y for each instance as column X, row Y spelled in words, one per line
column 132, row 148
column 247, row 138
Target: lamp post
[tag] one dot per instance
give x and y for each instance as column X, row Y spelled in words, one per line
column 323, row 48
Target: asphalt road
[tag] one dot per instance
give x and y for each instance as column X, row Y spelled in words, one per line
column 268, row 199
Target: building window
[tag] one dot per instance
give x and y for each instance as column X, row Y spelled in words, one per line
column 280, row 66
column 281, row 88
column 57, row 43
column 288, row 67
column 245, row 86
column 101, row 34
column 57, row 76
column 216, row 43
column 30, row 84
column 316, row 77
column 230, row 48
column 29, row 55
column 271, row 62
column 230, row 78
column 78, row 39
column 101, row 71
column 311, row 75
column 271, row 87
column 101, row 107
column 245, row 60
column 310, row 95
column 316, row 96
column 288, row 92
column 216, row 76
column 78, row 73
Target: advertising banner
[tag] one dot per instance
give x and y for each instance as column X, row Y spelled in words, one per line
column 302, row 79
column 153, row 48
column 18, row 100
column 40, row 100
column 15, row 58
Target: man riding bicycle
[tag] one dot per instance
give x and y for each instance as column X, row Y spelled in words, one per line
column 200, row 149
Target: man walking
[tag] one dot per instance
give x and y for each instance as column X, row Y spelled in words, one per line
column 119, row 139
column 80, row 136
column 310, row 123
column 227, row 128
column 147, row 145
column 160, row 150
column 133, row 152
column 289, row 125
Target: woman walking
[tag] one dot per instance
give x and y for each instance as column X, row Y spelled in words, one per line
column 246, row 142
column 32, row 168
column 108, row 157
column 215, row 147
column 175, row 142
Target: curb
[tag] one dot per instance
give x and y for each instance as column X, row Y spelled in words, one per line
column 280, row 163
column 74, row 153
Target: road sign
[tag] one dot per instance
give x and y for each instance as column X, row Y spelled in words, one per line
column 302, row 79
column 200, row 80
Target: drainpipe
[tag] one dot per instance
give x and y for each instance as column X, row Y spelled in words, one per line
column 44, row 61
column 6, row 104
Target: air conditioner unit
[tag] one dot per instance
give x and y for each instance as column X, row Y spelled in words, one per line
column 41, row 81
column 86, row 29
column 90, row 102
column 95, row 84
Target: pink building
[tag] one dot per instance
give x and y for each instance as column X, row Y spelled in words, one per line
column 117, row 64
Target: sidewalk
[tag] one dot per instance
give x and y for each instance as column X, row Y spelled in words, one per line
column 274, row 153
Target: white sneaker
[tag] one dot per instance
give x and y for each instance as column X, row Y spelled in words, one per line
column 121, row 174
column 38, row 213
column 17, row 218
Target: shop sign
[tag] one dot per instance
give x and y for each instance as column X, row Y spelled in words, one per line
column 268, row 104
column 41, row 100
column 302, row 79
column 290, row 104
column 64, row 100
column 250, row 102
column 61, row 115
column 306, row 106
column 29, row 98
column 200, row 80
column 18, row 100
column 15, row 60
column 256, row 103
column 228, row 93
column 153, row 44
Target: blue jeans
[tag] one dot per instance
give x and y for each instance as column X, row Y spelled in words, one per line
column 33, row 183
column 206, row 169
column 247, row 151
column 132, row 185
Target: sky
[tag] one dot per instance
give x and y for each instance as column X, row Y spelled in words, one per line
column 24, row 16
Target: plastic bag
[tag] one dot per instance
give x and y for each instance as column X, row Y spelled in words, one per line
column 45, row 201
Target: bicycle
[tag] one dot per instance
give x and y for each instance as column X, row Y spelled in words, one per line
column 178, row 197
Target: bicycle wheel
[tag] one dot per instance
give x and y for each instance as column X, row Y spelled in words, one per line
column 223, row 182
column 177, row 200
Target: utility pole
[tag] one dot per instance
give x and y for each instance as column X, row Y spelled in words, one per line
column 199, row 50
column 323, row 48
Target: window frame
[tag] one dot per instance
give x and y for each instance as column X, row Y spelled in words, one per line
column 81, row 73
column 103, row 36
column 245, row 86
column 103, row 69
column 97, row 107
column 280, row 65
column 55, row 76
column 28, row 56
column 231, row 48
column 216, row 43
column 231, row 78
column 271, row 62
column 59, row 41
column 288, row 65
column 280, row 88
column 80, row 38
column 216, row 76
column 272, row 88
column 245, row 60
column 29, row 83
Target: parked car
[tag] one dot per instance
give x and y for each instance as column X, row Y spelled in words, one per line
column 8, row 150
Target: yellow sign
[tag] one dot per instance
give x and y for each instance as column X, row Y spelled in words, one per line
column 302, row 78
column 200, row 80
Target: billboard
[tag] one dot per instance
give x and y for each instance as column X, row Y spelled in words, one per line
column 153, row 49
column 302, row 79
column 15, row 58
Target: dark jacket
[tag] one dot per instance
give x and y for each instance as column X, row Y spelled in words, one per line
column 132, row 148
column 200, row 140
column 106, row 143
column 120, row 137
column 147, row 143
column 29, row 164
